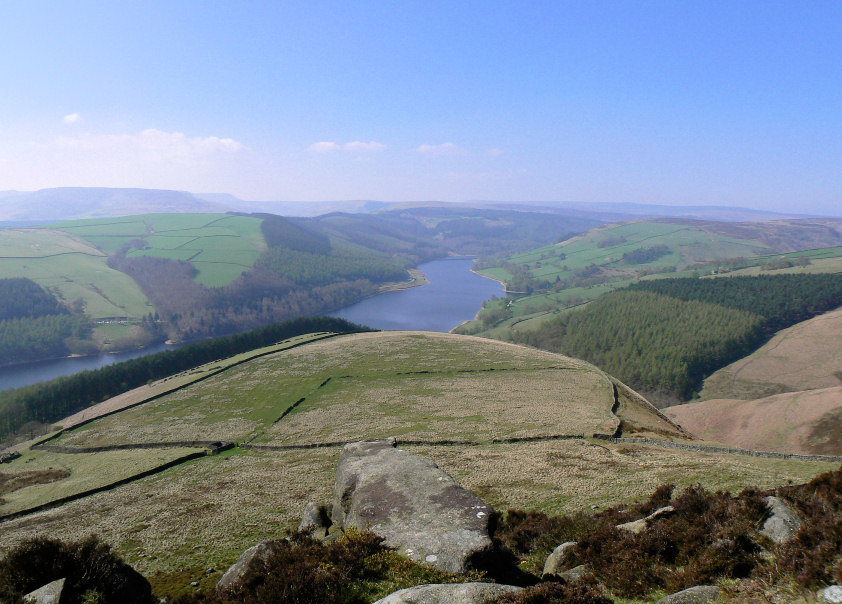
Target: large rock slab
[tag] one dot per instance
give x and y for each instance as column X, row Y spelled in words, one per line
column 701, row 594
column 416, row 507
column 782, row 524
column 456, row 593
column 48, row 594
column 236, row 571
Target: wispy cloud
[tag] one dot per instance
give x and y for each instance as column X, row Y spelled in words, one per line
column 150, row 144
column 149, row 158
column 358, row 146
column 72, row 118
column 441, row 149
column 494, row 152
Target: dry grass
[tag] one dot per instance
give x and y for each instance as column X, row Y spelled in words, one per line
column 464, row 406
column 200, row 514
column 561, row 477
column 81, row 472
column 204, row 513
column 806, row 356
column 790, row 422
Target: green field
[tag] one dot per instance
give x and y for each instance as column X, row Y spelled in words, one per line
column 220, row 246
column 72, row 269
column 693, row 249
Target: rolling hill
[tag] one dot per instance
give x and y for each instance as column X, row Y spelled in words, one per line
column 513, row 424
column 786, row 396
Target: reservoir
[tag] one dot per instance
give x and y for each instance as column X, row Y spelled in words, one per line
column 454, row 294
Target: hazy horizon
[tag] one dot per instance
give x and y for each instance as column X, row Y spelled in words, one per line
column 685, row 104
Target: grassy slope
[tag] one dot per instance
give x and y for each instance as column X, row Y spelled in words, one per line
column 783, row 397
column 73, row 269
column 177, row 524
column 809, row 421
column 805, row 356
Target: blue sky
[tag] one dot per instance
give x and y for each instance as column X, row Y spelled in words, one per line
column 726, row 103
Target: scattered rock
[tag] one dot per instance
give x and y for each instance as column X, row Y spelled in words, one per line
column 316, row 520
column 701, row 594
column 455, row 593
column 832, row 594
column 261, row 552
column 638, row 526
column 576, row 573
column 9, row 457
column 48, row 594
column 194, row 584
column 782, row 524
column 416, row 507
column 557, row 560
column 127, row 586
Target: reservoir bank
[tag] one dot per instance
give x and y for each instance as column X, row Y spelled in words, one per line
column 454, row 294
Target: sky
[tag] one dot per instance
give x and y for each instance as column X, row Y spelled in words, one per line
column 676, row 103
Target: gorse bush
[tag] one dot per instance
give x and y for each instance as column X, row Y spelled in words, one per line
column 92, row 572
column 814, row 556
column 303, row 570
column 578, row 592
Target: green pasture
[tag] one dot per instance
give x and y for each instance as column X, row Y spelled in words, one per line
column 72, row 269
column 87, row 471
column 221, row 246
column 226, row 406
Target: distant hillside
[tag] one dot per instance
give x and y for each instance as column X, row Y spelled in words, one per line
column 806, row 356
column 808, row 422
column 93, row 202
column 786, row 396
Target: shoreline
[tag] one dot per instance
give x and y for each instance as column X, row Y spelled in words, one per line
column 417, row 278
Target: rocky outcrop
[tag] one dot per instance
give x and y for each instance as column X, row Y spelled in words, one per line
column 456, row 593
column 576, row 573
column 416, row 507
column 260, row 552
column 48, row 594
column 638, row 526
column 831, row 595
column 701, row 594
column 557, row 560
column 315, row 521
column 782, row 524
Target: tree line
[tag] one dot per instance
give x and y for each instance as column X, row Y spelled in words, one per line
column 666, row 336
column 50, row 401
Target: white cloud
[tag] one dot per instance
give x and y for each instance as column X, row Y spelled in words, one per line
column 150, row 144
column 494, row 152
column 72, row 118
column 442, row 149
column 324, row 147
column 359, row 146
column 150, row 158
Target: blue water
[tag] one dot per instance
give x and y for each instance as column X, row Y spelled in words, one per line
column 454, row 295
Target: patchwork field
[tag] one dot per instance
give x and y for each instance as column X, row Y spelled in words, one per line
column 220, row 246
column 72, row 269
column 189, row 522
